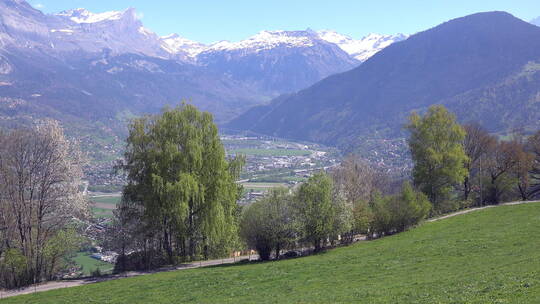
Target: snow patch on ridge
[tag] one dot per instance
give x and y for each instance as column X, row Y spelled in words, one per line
column 81, row 15
column 267, row 40
column 361, row 49
column 175, row 44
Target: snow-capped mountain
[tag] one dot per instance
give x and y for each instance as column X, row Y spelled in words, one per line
column 278, row 61
column 175, row 44
column 361, row 49
column 81, row 15
column 266, row 40
column 122, row 32
column 119, row 31
column 76, row 30
column 108, row 62
column 536, row 21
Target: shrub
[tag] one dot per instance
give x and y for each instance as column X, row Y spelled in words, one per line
column 268, row 224
column 392, row 214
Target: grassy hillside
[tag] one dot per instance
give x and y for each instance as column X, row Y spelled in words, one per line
column 488, row 256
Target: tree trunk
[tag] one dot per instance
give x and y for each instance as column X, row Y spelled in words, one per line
column 317, row 245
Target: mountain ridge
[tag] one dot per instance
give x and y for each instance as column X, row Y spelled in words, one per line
column 436, row 65
column 272, row 62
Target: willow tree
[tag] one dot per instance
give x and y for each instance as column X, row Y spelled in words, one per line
column 181, row 184
column 438, row 154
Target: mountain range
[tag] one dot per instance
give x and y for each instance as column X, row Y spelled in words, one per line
column 96, row 67
column 92, row 71
column 485, row 67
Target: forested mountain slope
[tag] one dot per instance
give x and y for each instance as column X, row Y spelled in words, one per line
column 482, row 66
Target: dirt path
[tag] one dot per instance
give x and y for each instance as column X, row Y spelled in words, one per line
column 72, row 283
column 479, row 208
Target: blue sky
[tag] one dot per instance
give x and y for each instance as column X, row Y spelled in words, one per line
column 212, row 20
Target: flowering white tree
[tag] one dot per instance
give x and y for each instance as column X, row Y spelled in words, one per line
column 40, row 172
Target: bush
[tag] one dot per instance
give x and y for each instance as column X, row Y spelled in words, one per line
column 392, row 214
column 13, row 269
column 268, row 225
column 97, row 273
column 141, row 260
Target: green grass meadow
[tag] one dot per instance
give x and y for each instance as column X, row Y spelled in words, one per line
column 109, row 202
column 113, row 200
column 488, row 256
column 102, row 212
column 90, row 264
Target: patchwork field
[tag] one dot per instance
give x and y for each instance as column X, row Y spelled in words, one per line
column 487, row 256
column 103, row 206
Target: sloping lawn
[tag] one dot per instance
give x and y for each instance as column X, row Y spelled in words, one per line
column 90, row 264
column 488, row 256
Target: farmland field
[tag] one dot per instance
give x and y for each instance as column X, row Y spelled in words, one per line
column 113, row 200
column 102, row 212
column 271, row 152
column 487, row 256
column 263, row 185
column 103, row 206
column 90, row 264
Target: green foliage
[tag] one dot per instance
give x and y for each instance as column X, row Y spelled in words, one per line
column 14, row 268
column 60, row 249
column 488, row 256
column 362, row 217
column 396, row 213
column 314, row 209
column 437, row 151
column 181, row 183
column 96, row 273
column 342, row 221
column 268, row 224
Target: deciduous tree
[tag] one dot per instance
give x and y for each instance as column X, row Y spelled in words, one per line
column 182, row 184
column 533, row 146
column 40, row 172
column 268, row 224
column 476, row 144
column 437, row 151
column 314, row 209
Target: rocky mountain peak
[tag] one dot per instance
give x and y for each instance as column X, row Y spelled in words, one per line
column 81, row 15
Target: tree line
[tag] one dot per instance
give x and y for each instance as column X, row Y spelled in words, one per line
column 455, row 167
column 459, row 166
column 179, row 203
